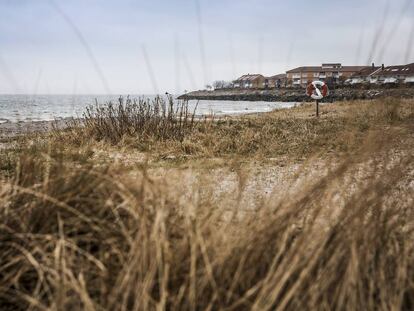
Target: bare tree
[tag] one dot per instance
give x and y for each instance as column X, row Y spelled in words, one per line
column 221, row 84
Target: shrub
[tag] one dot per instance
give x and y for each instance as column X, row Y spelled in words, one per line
column 141, row 118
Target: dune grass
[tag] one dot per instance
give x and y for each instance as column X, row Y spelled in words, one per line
column 78, row 235
column 294, row 133
column 159, row 118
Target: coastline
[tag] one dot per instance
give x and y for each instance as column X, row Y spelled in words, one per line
column 10, row 129
column 298, row 95
column 13, row 129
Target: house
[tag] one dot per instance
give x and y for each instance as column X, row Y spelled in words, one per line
column 258, row 81
column 364, row 76
column 276, row 81
column 250, row 81
column 302, row 76
column 395, row 74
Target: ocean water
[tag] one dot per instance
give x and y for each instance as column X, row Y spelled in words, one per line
column 25, row 108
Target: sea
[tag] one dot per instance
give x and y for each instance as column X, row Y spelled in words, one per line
column 30, row 108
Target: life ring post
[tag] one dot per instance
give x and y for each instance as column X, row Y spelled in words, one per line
column 317, row 108
column 317, row 90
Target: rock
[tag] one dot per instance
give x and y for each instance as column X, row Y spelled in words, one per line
column 298, row 95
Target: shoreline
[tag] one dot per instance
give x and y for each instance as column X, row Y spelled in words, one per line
column 12, row 129
column 298, row 95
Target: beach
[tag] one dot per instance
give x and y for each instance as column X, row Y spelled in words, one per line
column 124, row 194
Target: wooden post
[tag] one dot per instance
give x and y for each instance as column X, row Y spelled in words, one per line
column 317, row 108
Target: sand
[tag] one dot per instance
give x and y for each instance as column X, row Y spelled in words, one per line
column 13, row 129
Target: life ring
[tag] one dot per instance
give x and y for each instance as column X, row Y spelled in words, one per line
column 315, row 92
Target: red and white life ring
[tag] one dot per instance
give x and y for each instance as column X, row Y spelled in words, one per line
column 317, row 90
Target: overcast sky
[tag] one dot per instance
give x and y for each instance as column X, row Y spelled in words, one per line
column 144, row 47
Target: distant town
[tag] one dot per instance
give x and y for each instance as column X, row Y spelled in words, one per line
column 332, row 73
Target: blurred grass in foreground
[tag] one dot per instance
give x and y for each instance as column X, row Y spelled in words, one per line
column 75, row 234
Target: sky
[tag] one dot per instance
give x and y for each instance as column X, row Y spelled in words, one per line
column 146, row 47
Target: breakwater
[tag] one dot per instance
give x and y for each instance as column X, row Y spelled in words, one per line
column 298, row 95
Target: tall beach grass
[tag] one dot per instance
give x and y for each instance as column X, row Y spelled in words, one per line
column 76, row 235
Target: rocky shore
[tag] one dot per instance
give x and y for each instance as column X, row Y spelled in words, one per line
column 298, row 95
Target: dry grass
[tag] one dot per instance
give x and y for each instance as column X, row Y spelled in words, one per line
column 76, row 235
column 143, row 118
column 293, row 133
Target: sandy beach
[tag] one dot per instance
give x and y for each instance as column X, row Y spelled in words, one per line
column 13, row 129
column 234, row 184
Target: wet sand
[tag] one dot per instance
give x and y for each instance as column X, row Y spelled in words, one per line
column 12, row 129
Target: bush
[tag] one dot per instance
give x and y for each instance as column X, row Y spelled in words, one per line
column 141, row 118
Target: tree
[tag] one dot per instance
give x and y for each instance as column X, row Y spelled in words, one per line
column 221, row 84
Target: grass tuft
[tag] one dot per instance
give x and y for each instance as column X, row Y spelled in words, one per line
column 143, row 118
